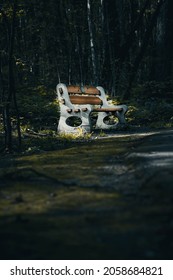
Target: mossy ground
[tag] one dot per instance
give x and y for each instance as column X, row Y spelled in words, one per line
column 92, row 197
column 89, row 200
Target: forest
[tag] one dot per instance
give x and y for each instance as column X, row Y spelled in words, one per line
column 105, row 194
column 124, row 46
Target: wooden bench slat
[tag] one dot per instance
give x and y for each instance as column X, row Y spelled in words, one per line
column 74, row 89
column 90, row 90
column 107, row 110
column 85, row 100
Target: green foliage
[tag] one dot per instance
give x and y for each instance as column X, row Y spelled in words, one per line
column 52, row 43
column 38, row 107
column 153, row 89
column 78, row 135
column 102, row 133
column 34, row 145
column 152, row 105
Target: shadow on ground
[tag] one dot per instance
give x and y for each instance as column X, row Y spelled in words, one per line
column 110, row 198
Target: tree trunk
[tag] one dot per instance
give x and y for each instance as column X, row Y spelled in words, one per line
column 11, row 87
column 143, row 48
column 93, row 56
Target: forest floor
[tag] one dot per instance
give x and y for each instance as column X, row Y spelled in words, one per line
column 105, row 198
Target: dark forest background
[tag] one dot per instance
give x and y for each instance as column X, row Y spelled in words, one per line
column 123, row 45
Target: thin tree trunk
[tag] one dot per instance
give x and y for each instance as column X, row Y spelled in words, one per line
column 2, row 99
column 124, row 50
column 93, row 56
column 79, row 55
column 11, row 89
column 102, row 42
column 111, row 59
column 143, row 48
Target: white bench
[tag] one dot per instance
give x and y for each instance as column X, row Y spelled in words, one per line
column 80, row 101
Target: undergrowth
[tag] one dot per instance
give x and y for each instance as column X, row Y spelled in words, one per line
column 150, row 106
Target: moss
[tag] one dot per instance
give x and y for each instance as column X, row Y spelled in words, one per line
column 79, row 202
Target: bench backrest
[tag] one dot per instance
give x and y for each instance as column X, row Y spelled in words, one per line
column 82, row 95
column 90, row 90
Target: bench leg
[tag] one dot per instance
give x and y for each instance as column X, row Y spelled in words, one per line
column 100, row 124
column 84, row 127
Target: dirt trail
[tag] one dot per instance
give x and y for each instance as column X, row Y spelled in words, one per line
column 110, row 198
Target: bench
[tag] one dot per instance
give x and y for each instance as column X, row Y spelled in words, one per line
column 80, row 101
